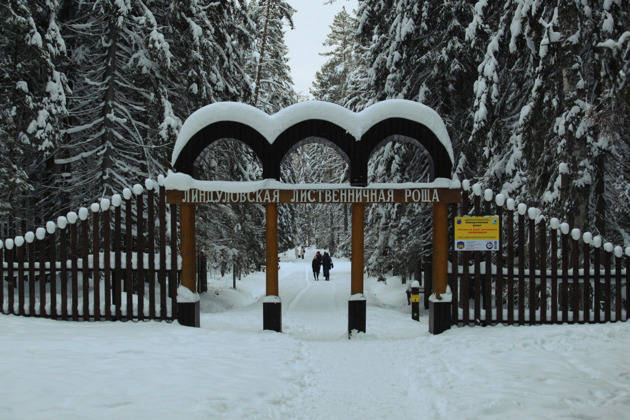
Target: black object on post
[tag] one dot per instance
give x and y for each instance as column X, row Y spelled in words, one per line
column 188, row 314
column 415, row 300
column 356, row 314
column 272, row 314
column 439, row 316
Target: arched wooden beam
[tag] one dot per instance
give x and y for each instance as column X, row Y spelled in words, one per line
column 381, row 131
column 219, row 131
column 301, row 133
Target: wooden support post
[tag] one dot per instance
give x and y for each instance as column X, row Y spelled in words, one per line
column 440, row 303
column 272, row 307
column 357, row 303
column 188, row 312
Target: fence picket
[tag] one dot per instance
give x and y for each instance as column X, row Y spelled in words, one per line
column 85, row 252
column 565, row 277
column 499, row 284
column 587, row 283
column 63, row 250
column 173, row 273
column 96, row 263
column 117, row 283
column 107, row 262
column 140, row 254
column 52, row 256
column 20, row 260
column 129, row 260
column 510, row 256
column 151, row 250
column 162, row 273
column 10, row 279
column 618, row 288
column 542, row 258
column 521, row 268
column 31, row 276
column 532, row 271
column 598, row 289
column 575, row 257
column 74, row 255
column 607, row 286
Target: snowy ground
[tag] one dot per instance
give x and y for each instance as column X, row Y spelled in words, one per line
column 231, row 369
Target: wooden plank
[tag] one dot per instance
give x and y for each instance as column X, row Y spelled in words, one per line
column 477, row 269
column 607, row 286
column 85, row 253
column 487, row 289
column 510, row 261
column 465, row 268
column 597, row 285
column 31, row 278
column 172, row 275
column 118, row 272
column 20, row 261
column 454, row 278
column 521, row 269
column 162, row 234
column 63, row 257
column 440, row 248
column 74, row 255
column 575, row 259
column 618, row 288
column 11, row 254
column 129, row 259
column 52, row 259
column 107, row 262
column 532, row 271
column 2, row 261
column 271, row 249
column 188, row 251
column 587, row 283
column 42, row 277
column 151, row 250
column 553, row 238
column 499, row 281
column 96, row 272
column 565, row 277
column 542, row 261
column 140, row 254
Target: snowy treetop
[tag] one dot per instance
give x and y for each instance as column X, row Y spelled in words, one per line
column 271, row 126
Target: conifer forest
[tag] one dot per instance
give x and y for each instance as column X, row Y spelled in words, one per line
column 534, row 93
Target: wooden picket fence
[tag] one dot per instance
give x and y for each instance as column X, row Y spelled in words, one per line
column 112, row 262
column 544, row 273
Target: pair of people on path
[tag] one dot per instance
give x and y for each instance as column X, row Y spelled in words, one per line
column 299, row 253
column 322, row 261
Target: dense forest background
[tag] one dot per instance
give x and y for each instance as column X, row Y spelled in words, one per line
column 534, row 93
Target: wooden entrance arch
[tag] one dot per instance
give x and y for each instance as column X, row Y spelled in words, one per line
column 356, row 136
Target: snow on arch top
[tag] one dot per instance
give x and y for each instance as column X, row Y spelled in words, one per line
column 271, row 126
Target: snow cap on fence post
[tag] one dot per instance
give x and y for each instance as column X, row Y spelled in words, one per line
column 532, row 212
column 554, row 223
column 8, row 244
column 137, row 189
column 160, row 180
column 477, row 189
column 30, row 237
column 522, row 209
column 597, row 241
column 628, row 251
column 40, row 233
column 83, row 213
column 116, row 200
column 105, row 204
column 608, row 247
column 487, row 194
column 19, row 241
column 72, row 217
column 95, row 207
column 50, row 227
column 510, row 204
column 587, row 238
column 575, row 234
column 127, row 193
column 149, row 184
column 618, row 251
column 500, row 200
column 62, row 222
column 466, row 185
column 564, row 228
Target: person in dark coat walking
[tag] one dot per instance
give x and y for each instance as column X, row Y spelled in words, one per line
column 317, row 263
column 327, row 264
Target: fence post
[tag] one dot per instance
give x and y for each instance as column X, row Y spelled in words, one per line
column 96, row 276
column 2, row 255
column 20, row 259
column 62, row 222
column 564, row 230
column 150, row 186
column 532, row 213
column 107, row 257
column 575, row 251
column 52, row 257
column 542, row 233
column 522, row 209
column 510, row 261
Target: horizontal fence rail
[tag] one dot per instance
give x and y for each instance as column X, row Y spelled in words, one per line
column 111, row 262
column 543, row 273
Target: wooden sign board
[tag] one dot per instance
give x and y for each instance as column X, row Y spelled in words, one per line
column 325, row 196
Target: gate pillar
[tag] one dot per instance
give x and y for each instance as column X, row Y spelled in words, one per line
column 272, row 306
column 440, row 300
column 187, row 306
column 357, row 303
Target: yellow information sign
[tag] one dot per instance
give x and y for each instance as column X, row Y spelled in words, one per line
column 415, row 298
column 477, row 233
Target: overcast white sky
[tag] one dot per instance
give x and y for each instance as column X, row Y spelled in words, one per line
column 312, row 24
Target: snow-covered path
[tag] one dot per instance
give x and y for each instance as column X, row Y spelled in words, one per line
column 230, row 368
